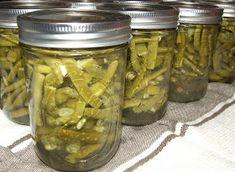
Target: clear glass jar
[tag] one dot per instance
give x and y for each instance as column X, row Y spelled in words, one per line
column 13, row 89
column 195, row 41
column 222, row 68
column 189, row 74
column 149, row 61
column 147, row 77
column 76, row 85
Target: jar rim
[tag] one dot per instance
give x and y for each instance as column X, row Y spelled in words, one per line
column 10, row 10
column 146, row 16
column 227, row 6
column 197, row 13
column 60, row 28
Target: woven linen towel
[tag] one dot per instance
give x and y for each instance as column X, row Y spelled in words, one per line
column 196, row 136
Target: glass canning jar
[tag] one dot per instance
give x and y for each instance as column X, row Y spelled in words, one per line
column 75, row 69
column 195, row 42
column 222, row 68
column 149, row 61
column 13, row 90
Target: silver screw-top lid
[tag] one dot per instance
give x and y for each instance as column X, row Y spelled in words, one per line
column 227, row 5
column 146, row 16
column 73, row 28
column 195, row 13
column 10, row 10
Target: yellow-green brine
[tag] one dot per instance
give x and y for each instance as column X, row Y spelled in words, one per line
column 13, row 90
column 75, row 69
column 149, row 61
column 195, row 42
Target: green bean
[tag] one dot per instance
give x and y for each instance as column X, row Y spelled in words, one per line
column 75, row 74
column 43, row 69
column 13, row 72
column 49, row 100
column 92, row 67
column 134, row 58
column 103, row 114
column 64, row 94
column 99, row 88
column 37, row 90
column 204, row 49
column 14, row 54
column 11, row 97
column 152, row 52
column 13, row 86
column 8, row 40
column 197, row 37
column 19, row 113
column 20, row 99
column 75, row 117
column 88, row 137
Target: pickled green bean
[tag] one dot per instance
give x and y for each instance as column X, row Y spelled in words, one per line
column 76, row 77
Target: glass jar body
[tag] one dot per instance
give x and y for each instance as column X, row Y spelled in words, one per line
column 189, row 74
column 222, row 68
column 76, row 97
column 147, row 78
column 13, row 89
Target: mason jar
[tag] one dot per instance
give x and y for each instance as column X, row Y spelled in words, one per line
column 222, row 68
column 75, row 72
column 13, row 90
column 149, row 61
column 195, row 42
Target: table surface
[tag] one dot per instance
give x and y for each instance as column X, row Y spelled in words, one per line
column 196, row 136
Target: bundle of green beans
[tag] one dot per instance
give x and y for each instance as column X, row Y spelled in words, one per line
column 13, row 90
column 75, row 102
column 223, row 62
column 194, row 48
column 147, row 76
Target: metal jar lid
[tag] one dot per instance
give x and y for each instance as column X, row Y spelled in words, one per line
column 227, row 5
column 146, row 16
column 195, row 13
column 10, row 10
column 73, row 29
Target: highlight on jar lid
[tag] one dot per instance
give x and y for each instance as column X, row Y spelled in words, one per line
column 196, row 13
column 73, row 28
column 227, row 5
column 11, row 9
column 84, row 4
column 146, row 16
column 136, row 2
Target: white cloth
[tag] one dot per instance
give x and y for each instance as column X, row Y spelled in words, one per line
column 206, row 148
column 205, row 144
column 11, row 132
